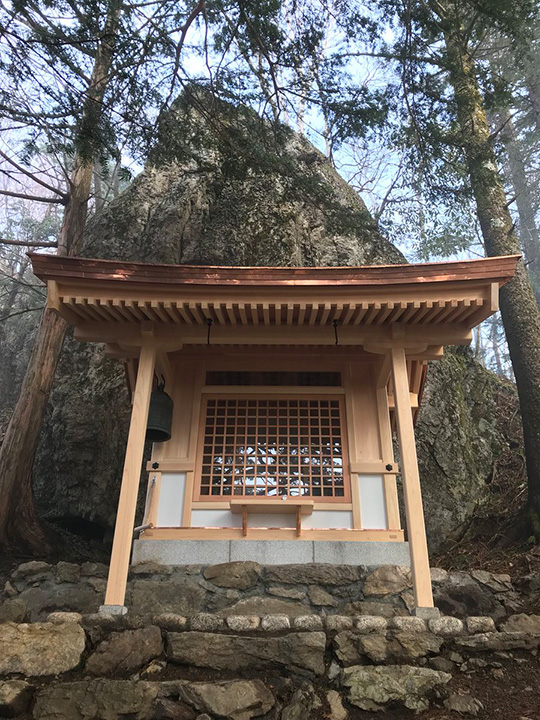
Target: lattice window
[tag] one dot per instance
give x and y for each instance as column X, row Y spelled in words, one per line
column 273, row 447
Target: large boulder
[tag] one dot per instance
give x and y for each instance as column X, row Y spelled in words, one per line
column 232, row 699
column 40, row 648
column 244, row 197
column 371, row 688
column 291, row 652
column 458, row 439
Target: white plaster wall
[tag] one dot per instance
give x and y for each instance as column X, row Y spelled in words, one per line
column 272, row 520
column 372, row 502
column 215, row 518
column 225, row 518
column 171, row 499
column 338, row 519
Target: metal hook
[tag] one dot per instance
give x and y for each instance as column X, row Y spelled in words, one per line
column 335, row 324
column 160, row 380
column 209, row 323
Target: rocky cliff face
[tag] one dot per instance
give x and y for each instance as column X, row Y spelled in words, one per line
column 237, row 195
column 244, row 198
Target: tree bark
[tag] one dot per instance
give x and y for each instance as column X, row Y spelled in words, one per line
column 495, row 348
column 19, row 524
column 520, row 313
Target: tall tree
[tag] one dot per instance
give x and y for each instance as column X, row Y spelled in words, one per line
column 438, row 44
column 18, row 521
column 520, row 312
column 529, row 233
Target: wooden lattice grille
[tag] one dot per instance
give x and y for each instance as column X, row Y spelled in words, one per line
column 273, row 447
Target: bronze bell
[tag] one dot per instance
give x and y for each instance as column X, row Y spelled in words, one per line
column 158, row 428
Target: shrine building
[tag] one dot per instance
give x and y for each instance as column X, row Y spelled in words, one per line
column 272, row 395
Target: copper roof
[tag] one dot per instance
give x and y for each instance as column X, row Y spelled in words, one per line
column 53, row 267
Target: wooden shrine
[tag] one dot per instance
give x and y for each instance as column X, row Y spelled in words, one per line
column 287, row 384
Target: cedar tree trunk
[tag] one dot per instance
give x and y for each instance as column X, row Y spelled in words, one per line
column 19, row 525
column 520, row 313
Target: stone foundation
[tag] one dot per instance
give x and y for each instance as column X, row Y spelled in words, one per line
column 36, row 589
column 273, row 552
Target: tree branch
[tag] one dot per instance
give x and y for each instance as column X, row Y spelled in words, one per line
column 199, row 8
column 29, row 243
column 33, row 177
column 21, row 312
column 37, row 198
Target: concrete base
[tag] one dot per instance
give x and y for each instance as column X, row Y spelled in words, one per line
column 112, row 609
column 427, row 613
column 270, row 552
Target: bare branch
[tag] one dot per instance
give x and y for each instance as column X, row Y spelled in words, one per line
column 386, row 198
column 29, row 243
column 199, row 8
column 33, row 177
column 20, row 312
column 37, row 198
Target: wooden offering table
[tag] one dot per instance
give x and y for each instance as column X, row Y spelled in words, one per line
column 279, row 505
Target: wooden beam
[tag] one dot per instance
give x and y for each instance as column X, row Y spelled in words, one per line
column 413, row 401
column 411, row 483
column 376, row 466
column 272, row 505
column 226, row 533
column 163, row 367
column 374, row 338
column 172, row 465
column 152, row 497
column 125, row 519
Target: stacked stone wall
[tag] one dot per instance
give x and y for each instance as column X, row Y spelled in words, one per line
column 277, row 667
column 36, row 589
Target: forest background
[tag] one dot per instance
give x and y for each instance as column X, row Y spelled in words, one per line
column 429, row 108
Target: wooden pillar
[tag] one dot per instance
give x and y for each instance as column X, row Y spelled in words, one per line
column 125, row 519
column 411, row 482
column 387, row 450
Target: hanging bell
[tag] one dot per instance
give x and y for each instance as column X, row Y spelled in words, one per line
column 158, row 428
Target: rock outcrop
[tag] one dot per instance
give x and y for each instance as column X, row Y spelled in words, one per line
column 241, row 196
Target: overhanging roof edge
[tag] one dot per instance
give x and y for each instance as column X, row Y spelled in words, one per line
column 53, row 267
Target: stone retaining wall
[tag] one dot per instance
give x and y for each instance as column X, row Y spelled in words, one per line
column 247, row 588
column 277, row 667
column 241, row 640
